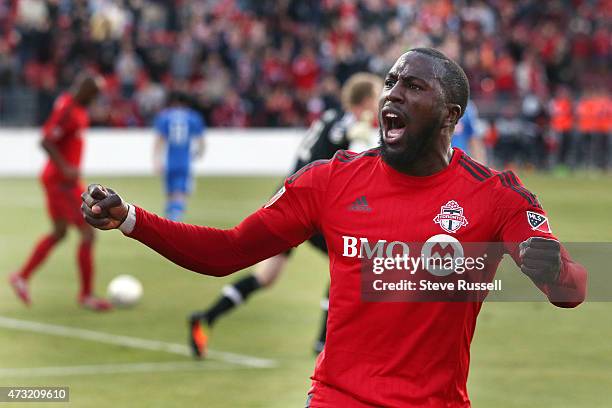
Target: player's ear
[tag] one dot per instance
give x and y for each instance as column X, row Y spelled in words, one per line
column 453, row 114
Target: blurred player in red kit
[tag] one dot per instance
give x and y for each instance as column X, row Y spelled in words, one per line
column 391, row 354
column 63, row 143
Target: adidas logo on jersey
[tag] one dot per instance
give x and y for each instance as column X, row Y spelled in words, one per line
column 360, row 204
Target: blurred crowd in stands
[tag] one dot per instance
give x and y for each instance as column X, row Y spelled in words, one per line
column 539, row 70
column 565, row 132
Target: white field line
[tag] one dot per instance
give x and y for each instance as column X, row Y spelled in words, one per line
column 133, row 342
column 114, row 369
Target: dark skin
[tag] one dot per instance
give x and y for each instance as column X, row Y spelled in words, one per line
column 541, row 259
column 412, row 91
column 414, row 104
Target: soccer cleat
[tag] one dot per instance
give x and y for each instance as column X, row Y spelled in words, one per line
column 20, row 286
column 96, row 304
column 198, row 337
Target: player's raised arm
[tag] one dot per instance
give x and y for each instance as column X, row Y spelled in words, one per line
column 551, row 268
column 529, row 240
column 286, row 221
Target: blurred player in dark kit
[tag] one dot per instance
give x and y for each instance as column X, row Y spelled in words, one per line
column 334, row 131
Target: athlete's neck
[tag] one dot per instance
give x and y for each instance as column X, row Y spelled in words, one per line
column 426, row 165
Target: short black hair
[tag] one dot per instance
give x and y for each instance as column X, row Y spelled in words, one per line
column 454, row 82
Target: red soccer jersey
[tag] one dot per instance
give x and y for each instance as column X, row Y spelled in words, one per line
column 409, row 354
column 65, row 128
column 399, row 354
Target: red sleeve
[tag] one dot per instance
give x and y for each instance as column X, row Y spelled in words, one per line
column 295, row 211
column 522, row 217
column 53, row 128
column 289, row 219
column 206, row 250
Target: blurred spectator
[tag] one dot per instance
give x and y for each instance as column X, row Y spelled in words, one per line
column 150, row 99
column 509, row 148
column 535, row 138
column 231, row 111
column 490, row 139
column 562, row 124
column 586, row 116
column 127, row 69
column 305, row 70
column 601, row 134
column 8, row 66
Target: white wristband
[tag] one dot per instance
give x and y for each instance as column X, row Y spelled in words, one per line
column 127, row 226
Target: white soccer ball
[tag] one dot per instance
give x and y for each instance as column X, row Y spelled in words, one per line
column 124, row 291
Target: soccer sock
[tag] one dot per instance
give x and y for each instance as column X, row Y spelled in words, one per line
column 38, row 255
column 323, row 332
column 85, row 266
column 175, row 210
column 233, row 295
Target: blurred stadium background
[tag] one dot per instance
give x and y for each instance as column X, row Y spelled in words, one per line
column 540, row 78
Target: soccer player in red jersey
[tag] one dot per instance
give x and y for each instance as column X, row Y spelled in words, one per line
column 63, row 143
column 411, row 188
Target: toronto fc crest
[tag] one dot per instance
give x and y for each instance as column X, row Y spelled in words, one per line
column 451, row 217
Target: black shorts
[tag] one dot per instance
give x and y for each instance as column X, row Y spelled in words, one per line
column 317, row 241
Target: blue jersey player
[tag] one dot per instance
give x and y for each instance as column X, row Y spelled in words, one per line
column 180, row 132
column 467, row 136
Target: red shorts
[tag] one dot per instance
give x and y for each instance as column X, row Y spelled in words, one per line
column 64, row 201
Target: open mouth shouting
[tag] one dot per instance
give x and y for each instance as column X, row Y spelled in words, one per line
column 394, row 125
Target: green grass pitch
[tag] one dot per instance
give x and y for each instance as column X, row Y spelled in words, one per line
column 523, row 354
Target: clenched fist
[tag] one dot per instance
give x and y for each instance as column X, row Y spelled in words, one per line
column 541, row 259
column 103, row 208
